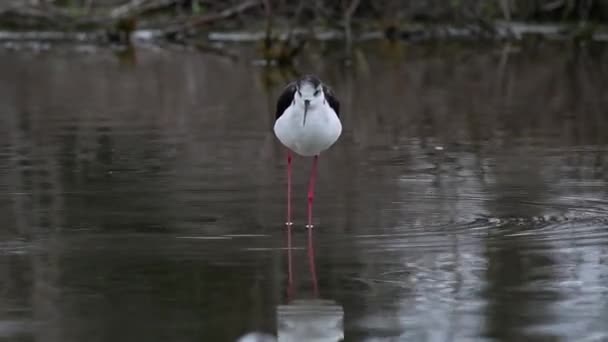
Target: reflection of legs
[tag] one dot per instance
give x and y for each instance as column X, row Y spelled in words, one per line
column 311, row 189
column 288, row 222
column 290, row 288
column 311, row 261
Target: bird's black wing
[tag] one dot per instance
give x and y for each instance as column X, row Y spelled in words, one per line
column 331, row 98
column 285, row 99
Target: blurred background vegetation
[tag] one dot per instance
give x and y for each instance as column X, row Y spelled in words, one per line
column 284, row 27
column 387, row 15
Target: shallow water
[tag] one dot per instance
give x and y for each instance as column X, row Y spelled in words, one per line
column 143, row 198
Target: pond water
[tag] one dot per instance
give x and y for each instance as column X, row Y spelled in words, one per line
column 142, row 197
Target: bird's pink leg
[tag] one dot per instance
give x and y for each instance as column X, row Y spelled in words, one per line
column 288, row 223
column 290, row 287
column 311, row 189
column 311, row 261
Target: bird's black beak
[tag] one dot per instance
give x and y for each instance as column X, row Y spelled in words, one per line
column 306, row 105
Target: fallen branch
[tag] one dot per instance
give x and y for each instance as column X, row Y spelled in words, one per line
column 138, row 7
column 50, row 17
column 33, row 15
column 210, row 18
column 55, row 17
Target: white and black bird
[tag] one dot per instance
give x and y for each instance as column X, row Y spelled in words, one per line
column 307, row 123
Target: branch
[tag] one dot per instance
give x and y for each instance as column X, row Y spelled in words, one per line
column 210, row 18
column 34, row 13
column 136, row 7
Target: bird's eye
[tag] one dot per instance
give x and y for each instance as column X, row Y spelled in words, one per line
column 317, row 92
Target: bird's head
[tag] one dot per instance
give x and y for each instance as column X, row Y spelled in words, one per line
column 309, row 94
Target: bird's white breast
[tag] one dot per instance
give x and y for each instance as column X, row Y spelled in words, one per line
column 322, row 129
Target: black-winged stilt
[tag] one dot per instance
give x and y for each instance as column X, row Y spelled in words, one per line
column 307, row 123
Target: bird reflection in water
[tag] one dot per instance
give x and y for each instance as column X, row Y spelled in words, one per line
column 311, row 319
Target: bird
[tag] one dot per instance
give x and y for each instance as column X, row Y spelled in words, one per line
column 307, row 123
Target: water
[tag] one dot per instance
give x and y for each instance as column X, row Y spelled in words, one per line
column 143, row 198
